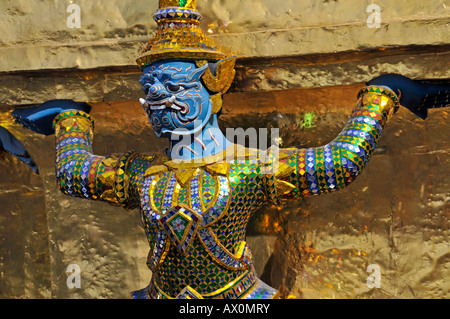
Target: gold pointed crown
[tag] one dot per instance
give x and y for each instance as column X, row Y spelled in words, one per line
column 179, row 35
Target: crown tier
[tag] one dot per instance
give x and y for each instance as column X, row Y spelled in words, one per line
column 179, row 35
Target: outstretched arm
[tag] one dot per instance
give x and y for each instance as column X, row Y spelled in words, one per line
column 114, row 179
column 320, row 170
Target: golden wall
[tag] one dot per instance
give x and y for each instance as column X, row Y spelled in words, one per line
column 300, row 66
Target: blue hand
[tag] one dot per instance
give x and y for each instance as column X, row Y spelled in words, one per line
column 40, row 118
column 415, row 95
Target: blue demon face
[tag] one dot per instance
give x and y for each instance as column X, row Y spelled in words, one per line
column 176, row 100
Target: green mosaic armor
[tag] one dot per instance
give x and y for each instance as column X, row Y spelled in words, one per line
column 195, row 214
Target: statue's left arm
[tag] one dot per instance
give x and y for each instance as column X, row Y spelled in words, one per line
column 320, row 170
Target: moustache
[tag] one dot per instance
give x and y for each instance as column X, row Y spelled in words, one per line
column 171, row 102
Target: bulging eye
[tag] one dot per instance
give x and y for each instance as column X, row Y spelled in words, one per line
column 173, row 88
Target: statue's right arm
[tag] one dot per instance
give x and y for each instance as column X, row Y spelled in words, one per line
column 114, row 179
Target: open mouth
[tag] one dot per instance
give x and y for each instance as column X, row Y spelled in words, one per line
column 168, row 103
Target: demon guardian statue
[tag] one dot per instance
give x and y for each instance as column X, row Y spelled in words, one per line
column 197, row 196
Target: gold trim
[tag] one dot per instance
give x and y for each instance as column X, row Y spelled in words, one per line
column 214, row 236
column 283, row 187
column 200, row 191
column 240, row 250
column 185, row 176
column 230, row 285
column 218, row 169
column 152, row 193
column 176, row 193
column 156, row 169
column 154, row 289
column 165, row 54
column 214, row 162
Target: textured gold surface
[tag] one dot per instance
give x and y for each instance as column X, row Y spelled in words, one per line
column 394, row 215
column 115, row 33
column 252, row 75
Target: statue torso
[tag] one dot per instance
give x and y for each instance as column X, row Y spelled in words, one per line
column 196, row 220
